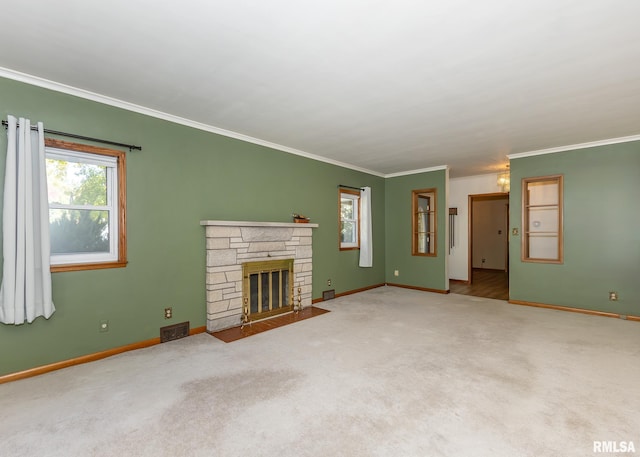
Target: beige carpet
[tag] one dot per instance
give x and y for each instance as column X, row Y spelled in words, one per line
column 389, row 372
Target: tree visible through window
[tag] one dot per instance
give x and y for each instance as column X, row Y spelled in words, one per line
column 349, row 219
column 86, row 206
column 77, row 194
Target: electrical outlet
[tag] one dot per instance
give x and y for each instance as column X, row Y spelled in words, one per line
column 396, row 273
column 328, row 282
column 613, row 296
column 104, row 326
column 168, row 313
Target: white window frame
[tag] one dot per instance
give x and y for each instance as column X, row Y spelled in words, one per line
column 355, row 198
column 114, row 163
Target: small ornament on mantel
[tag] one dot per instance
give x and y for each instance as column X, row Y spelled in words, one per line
column 300, row 219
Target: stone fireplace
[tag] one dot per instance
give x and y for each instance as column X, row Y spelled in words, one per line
column 234, row 245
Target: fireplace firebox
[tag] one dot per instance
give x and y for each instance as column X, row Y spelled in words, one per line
column 267, row 288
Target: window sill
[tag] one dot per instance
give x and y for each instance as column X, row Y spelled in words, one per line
column 87, row 266
column 552, row 261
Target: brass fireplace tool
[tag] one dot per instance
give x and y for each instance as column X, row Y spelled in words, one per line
column 298, row 306
column 245, row 313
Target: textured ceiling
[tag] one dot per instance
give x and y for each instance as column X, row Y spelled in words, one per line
column 382, row 86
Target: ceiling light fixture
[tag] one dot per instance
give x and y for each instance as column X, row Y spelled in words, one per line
column 504, row 180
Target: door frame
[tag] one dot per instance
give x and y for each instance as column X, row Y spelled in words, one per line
column 485, row 197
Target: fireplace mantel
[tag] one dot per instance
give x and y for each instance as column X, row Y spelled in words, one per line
column 257, row 224
column 230, row 244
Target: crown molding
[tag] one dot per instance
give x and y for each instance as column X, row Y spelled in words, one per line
column 106, row 100
column 573, row 147
column 415, row 172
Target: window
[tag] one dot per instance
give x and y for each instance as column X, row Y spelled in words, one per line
column 349, row 219
column 542, row 219
column 424, row 222
column 86, row 186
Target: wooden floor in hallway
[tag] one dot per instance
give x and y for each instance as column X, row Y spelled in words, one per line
column 485, row 283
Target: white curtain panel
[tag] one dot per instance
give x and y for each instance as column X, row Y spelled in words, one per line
column 366, row 240
column 26, row 282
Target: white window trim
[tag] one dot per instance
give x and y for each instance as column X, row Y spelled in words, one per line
column 111, row 164
column 356, row 220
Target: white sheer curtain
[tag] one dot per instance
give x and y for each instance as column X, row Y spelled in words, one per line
column 366, row 241
column 26, row 279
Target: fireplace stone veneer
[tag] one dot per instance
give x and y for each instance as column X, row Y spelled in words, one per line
column 229, row 244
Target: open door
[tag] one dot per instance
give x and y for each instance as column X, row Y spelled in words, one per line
column 488, row 235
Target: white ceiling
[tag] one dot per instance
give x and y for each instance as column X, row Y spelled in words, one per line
column 385, row 86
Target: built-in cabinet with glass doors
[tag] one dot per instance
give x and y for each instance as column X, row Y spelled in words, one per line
column 424, row 222
column 542, row 219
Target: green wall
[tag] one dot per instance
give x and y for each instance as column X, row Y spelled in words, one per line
column 601, row 230
column 182, row 175
column 416, row 271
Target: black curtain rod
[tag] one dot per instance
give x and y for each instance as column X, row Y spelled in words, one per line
column 350, row 187
column 80, row 137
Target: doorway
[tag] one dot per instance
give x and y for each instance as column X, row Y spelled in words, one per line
column 488, row 261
